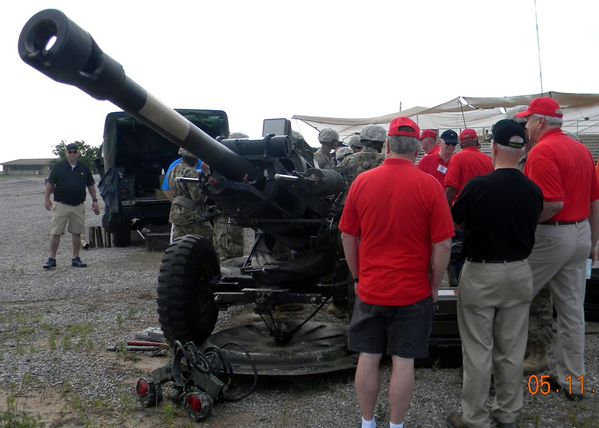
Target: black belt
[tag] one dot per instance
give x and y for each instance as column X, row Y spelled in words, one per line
column 71, row 205
column 477, row 260
column 562, row 223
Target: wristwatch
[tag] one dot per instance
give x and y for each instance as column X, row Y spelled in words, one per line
column 94, row 200
column 356, row 280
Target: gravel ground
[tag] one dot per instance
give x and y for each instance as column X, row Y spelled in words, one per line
column 55, row 327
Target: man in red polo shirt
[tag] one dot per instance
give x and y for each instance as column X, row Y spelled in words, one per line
column 394, row 307
column 428, row 141
column 436, row 164
column 567, row 232
column 466, row 164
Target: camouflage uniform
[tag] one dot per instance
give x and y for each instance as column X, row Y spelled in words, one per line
column 329, row 138
column 228, row 237
column 355, row 143
column 354, row 165
column 185, row 220
column 324, row 160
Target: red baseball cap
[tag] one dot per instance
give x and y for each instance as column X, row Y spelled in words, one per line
column 428, row 133
column 468, row 134
column 401, row 121
column 544, row 106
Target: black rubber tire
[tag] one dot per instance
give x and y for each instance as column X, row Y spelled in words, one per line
column 186, row 308
column 122, row 237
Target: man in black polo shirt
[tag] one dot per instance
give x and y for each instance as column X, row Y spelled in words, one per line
column 68, row 181
column 498, row 212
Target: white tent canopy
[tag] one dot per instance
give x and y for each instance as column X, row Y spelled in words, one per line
column 581, row 114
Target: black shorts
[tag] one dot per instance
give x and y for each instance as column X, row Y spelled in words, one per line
column 395, row 330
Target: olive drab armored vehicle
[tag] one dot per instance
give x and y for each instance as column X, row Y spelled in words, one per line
column 134, row 159
column 268, row 184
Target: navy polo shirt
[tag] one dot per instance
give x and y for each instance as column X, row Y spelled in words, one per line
column 70, row 182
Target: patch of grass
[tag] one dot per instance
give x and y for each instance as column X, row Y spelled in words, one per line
column 168, row 415
column 12, row 417
column 131, row 313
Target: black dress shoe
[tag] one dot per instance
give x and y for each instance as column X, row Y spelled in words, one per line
column 76, row 262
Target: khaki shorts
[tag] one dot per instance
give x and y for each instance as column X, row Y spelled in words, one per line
column 61, row 214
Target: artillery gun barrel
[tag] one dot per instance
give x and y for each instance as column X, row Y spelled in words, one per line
column 57, row 47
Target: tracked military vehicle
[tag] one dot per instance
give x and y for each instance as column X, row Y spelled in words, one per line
column 268, row 184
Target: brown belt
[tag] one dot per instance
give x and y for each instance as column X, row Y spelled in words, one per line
column 563, row 223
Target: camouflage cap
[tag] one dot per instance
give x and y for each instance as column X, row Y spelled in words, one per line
column 186, row 154
column 296, row 136
column 373, row 133
column 354, row 141
column 343, row 152
column 238, row 135
column 328, row 135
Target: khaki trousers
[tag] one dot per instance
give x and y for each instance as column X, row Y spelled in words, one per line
column 493, row 303
column 558, row 259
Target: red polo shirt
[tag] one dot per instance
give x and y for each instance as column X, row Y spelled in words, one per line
column 435, row 166
column 433, row 150
column 564, row 170
column 398, row 212
column 466, row 164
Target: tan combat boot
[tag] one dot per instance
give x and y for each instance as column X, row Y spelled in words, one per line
column 537, row 361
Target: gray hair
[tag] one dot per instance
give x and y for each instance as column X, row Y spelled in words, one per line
column 403, row 144
column 511, row 114
column 550, row 120
column 516, row 151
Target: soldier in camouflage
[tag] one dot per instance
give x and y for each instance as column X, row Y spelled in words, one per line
column 228, row 236
column 355, row 144
column 540, row 314
column 372, row 138
column 187, row 207
column 328, row 138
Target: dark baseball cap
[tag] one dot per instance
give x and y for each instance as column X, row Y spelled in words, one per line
column 509, row 133
column 72, row 146
column 450, row 136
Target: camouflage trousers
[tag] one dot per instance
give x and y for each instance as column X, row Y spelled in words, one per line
column 540, row 319
column 228, row 237
column 203, row 228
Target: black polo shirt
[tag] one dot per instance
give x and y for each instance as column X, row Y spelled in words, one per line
column 500, row 211
column 70, row 182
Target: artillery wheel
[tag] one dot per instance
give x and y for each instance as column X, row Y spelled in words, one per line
column 186, row 308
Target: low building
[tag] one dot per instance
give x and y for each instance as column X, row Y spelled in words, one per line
column 28, row 166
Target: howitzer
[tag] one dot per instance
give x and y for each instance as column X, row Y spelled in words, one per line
column 267, row 184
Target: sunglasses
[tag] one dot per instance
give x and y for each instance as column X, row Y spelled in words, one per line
column 72, row 151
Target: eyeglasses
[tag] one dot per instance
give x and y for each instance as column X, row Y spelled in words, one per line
column 451, row 144
column 72, row 151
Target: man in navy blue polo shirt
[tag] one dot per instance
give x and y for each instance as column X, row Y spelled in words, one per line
column 68, row 181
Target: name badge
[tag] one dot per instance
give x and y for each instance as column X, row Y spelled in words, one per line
column 442, row 169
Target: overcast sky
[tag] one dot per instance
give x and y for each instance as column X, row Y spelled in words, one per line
column 266, row 59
